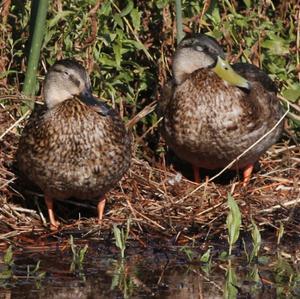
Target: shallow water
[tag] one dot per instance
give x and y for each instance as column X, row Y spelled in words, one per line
column 145, row 273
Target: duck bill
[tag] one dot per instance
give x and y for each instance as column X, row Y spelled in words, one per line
column 87, row 98
column 226, row 72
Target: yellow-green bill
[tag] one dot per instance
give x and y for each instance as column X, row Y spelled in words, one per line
column 226, row 72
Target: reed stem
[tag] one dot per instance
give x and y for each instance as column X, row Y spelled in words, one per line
column 179, row 26
column 38, row 20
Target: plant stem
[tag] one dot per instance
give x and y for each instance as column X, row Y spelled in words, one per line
column 179, row 26
column 38, row 18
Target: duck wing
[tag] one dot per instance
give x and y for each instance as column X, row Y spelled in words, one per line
column 255, row 74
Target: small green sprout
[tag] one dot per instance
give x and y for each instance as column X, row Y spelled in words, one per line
column 8, row 261
column 121, row 237
column 230, row 290
column 78, row 255
column 188, row 252
column 233, row 222
column 206, row 259
column 256, row 238
column 280, row 233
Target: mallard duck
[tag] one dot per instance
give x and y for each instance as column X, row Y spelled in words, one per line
column 214, row 112
column 76, row 146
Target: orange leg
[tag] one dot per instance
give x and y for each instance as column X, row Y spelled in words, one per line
column 196, row 174
column 49, row 203
column 100, row 208
column 247, row 174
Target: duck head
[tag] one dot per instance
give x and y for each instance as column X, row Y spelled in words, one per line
column 201, row 51
column 64, row 80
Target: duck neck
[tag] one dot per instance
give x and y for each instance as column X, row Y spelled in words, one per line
column 186, row 61
column 53, row 96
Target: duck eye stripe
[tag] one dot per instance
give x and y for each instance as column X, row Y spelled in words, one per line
column 74, row 80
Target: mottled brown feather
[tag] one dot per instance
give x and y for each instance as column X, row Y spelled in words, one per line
column 209, row 123
column 73, row 151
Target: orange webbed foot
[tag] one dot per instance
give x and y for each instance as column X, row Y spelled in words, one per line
column 247, row 174
column 54, row 225
column 100, row 208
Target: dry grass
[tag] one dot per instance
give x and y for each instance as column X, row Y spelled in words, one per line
column 161, row 202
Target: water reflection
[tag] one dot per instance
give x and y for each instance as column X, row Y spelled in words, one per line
column 175, row 284
column 144, row 275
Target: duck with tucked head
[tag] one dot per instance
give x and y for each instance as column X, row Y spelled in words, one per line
column 214, row 112
column 76, row 145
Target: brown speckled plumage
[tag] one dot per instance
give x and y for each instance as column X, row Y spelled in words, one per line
column 209, row 122
column 72, row 150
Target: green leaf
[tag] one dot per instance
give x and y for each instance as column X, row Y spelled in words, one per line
column 254, row 274
column 73, row 246
column 230, row 291
column 105, row 61
column 105, row 9
column 247, row 3
column 119, row 20
column 6, row 274
column 136, row 18
column 188, row 252
column 277, row 46
column 137, row 45
column 128, row 223
column 223, row 255
column 256, row 237
column 117, row 51
column 8, row 256
column 60, row 15
column 233, row 221
column 41, row 275
column 280, row 233
column 292, row 93
column 127, row 9
column 36, row 268
column 205, row 256
column 117, row 234
column 161, row 3
column 82, row 253
column 263, row 260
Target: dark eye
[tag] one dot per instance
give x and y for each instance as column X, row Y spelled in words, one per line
column 66, row 73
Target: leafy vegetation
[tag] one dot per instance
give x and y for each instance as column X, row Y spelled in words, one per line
column 127, row 45
column 127, row 48
column 233, row 222
column 39, row 16
column 78, row 255
column 121, row 237
column 10, row 272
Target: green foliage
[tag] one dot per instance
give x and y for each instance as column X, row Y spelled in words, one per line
column 121, row 237
column 34, row 270
column 9, row 271
column 256, row 240
column 78, row 255
column 38, row 31
column 179, row 28
column 127, row 44
column 36, row 274
column 188, row 252
column 124, row 280
column 233, row 222
column 8, row 261
column 8, row 257
column 205, row 258
column 230, row 290
column 280, row 233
